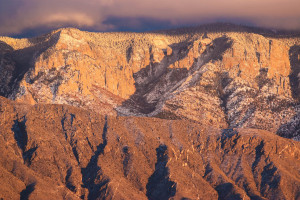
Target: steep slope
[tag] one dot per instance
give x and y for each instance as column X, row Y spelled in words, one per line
column 225, row 79
column 63, row 152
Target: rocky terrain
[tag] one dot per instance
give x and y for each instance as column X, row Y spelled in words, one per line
column 228, row 79
column 62, row 152
column 199, row 113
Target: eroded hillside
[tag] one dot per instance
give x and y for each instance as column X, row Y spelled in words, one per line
column 63, row 152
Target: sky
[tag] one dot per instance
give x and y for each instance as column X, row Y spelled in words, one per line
column 33, row 17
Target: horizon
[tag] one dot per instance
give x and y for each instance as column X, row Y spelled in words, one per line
column 197, row 27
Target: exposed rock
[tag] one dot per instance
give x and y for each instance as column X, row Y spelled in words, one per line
column 77, row 154
column 225, row 79
column 169, row 115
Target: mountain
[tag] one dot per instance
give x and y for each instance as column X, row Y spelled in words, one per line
column 209, row 112
column 63, row 152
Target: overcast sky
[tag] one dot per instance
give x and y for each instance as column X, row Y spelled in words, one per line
column 21, row 17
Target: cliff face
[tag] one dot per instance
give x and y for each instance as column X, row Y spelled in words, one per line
column 223, row 79
column 63, row 152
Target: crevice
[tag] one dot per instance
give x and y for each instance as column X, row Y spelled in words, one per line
column 67, row 126
column 27, row 155
column 127, row 161
column 269, row 179
column 20, row 133
column 72, row 118
column 21, row 137
column 63, row 126
column 92, row 175
column 270, row 47
column 226, row 135
column 259, row 152
column 222, row 81
column 159, row 185
column 74, row 150
column 24, row 195
column 129, row 52
column 258, row 57
column 89, row 143
column 208, row 170
column 69, row 181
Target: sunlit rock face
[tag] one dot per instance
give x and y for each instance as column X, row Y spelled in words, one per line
column 225, row 79
column 184, row 114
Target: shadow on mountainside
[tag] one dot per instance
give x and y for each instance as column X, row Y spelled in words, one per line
column 159, row 185
column 155, row 83
column 264, row 172
column 292, row 128
column 92, row 177
column 24, row 195
column 294, row 54
column 157, row 76
column 7, row 67
column 21, row 61
column 21, row 137
column 5, row 48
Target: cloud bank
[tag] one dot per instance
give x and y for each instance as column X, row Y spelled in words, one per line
column 21, row 16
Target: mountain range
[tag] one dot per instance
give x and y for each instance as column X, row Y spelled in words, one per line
column 208, row 112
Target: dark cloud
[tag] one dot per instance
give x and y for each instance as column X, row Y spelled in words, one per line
column 138, row 24
column 34, row 16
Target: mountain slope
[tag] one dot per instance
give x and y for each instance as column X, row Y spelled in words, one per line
column 62, row 152
column 225, row 79
column 180, row 114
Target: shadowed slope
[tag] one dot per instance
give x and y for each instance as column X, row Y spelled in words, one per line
column 156, row 83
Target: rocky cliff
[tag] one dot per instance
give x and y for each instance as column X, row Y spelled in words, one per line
column 227, row 79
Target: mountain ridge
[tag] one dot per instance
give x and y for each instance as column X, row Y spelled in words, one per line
column 149, row 74
column 192, row 115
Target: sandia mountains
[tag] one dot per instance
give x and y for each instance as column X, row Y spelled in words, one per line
column 210, row 112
